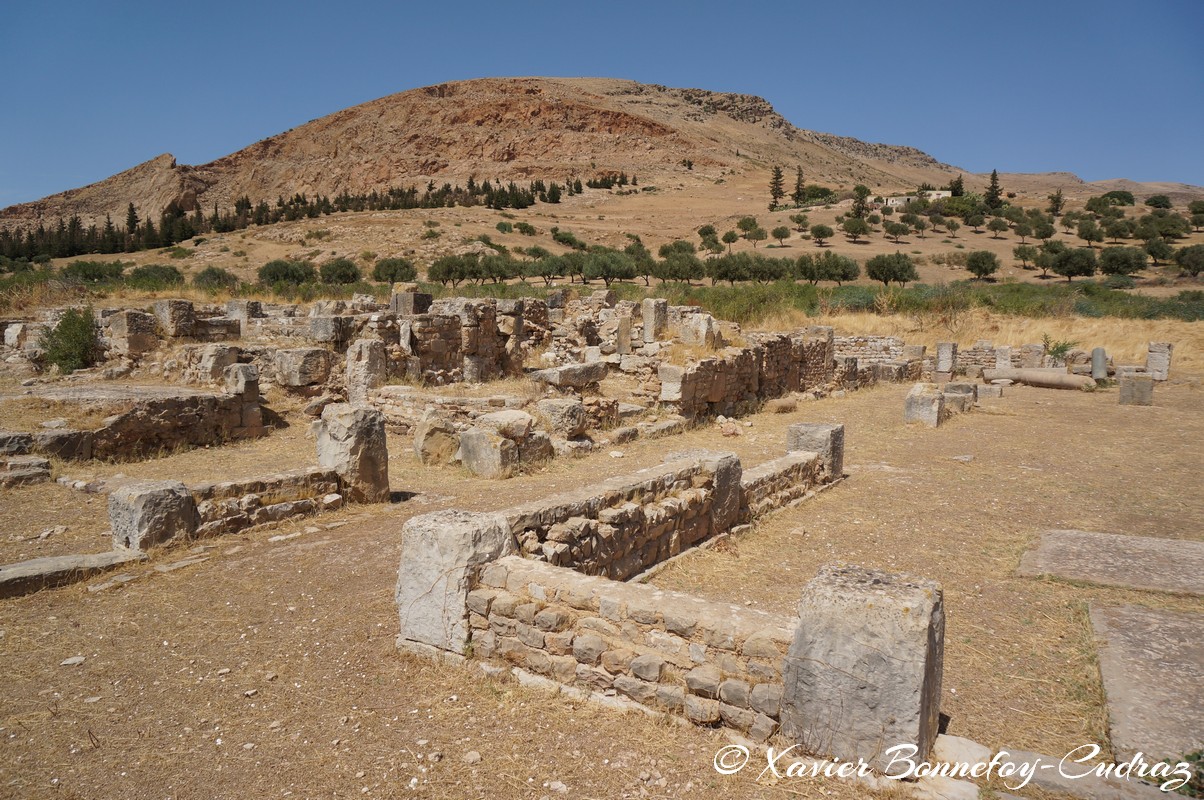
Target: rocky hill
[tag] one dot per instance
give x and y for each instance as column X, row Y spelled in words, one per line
column 517, row 128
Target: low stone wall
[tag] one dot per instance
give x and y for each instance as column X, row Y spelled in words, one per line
column 778, row 483
column 869, row 349
column 713, row 663
column 624, row 525
column 740, row 378
column 352, row 465
column 231, row 506
column 165, row 424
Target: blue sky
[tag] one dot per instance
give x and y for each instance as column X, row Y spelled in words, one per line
column 1102, row 89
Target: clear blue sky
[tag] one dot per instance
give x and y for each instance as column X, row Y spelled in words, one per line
column 1103, row 89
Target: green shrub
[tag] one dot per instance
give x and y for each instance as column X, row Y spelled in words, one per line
column 431, row 233
column 179, row 252
column 74, row 343
column 1120, row 282
column 505, row 227
column 340, row 270
column 525, row 228
column 153, row 277
column 214, row 279
column 287, row 272
column 93, row 271
column 394, row 270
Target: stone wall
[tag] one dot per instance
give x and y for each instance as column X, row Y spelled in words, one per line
column 624, row 525
column 869, row 349
column 740, row 378
column 778, row 483
column 231, row 506
column 714, row 663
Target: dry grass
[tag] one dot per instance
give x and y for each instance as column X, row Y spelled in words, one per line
column 28, row 413
column 1124, row 339
column 1020, row 666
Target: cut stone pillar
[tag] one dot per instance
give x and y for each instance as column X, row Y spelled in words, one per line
column 823, row 438
column 1099, row 364
column 623, row 336
column 863, row 673
column 1158, row 360
column 441, row 554
column 1137, row 390
column 1003, row 357
column 656, row 318
column 946, row 357
column 351, row 441
column 366, row 366
column 143, row 514
column 925, row 403
column 243, row 380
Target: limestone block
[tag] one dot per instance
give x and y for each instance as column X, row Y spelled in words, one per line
column 671, row 378
column 242, row 311
column 365, row 369
column 351, row 441
column 132, row 333
column 1137, row 390
column 487, row 453
column 726, row 490
column 65, row 444
column 946, row 357
column 875, row 641
column 143, row 514
column 1158, row 360
column 435, row 439
column 1003, row 357
column 329, row 329
column 407, row 304
column 925, row 403
column 176, row 317
column 537, row 446
column 913, row 352
column 303, row 366
column 823, row 438
column 15, row 443
column 566, row 417
column 655, row 313
column 441, row 555
column 242, row 380
column 574, row 376
column 214, row 360
column 511, row 423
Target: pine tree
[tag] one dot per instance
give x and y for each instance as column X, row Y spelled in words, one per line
column 957, row 186
column 1056, row 202
column 799, row 194
column 776, row 190
column 994, row 195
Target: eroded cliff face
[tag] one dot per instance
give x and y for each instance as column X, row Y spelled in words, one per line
column 513, row 128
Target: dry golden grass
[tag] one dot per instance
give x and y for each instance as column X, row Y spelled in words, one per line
column 28, row 413
column 1126, row 340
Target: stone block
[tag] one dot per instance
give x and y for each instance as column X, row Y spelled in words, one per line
column 946, row 357
column 647, row 667
column 925, row 403
column 876, row 641
column 143, row 514
column 1137, row 390
column 704, row 680
column 623, row 336
column 176, row 317
column 913, row 352
column 819, row 437
column 441, row 555
column 726, row 490
column 15, row 443
column 511, row 423
column 487, row 453
column 1158, row 360
column 989, row 391
column 303, row 366
column 655, row 314
column 407, row 304
column 242, row 380
column 351, row 441
column 366, row 368
column 65, row 444
column 436, row 439
column 132, row 333
column 1003, row 357
column 572, row 376
column 39, row 573
column 566, row 417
